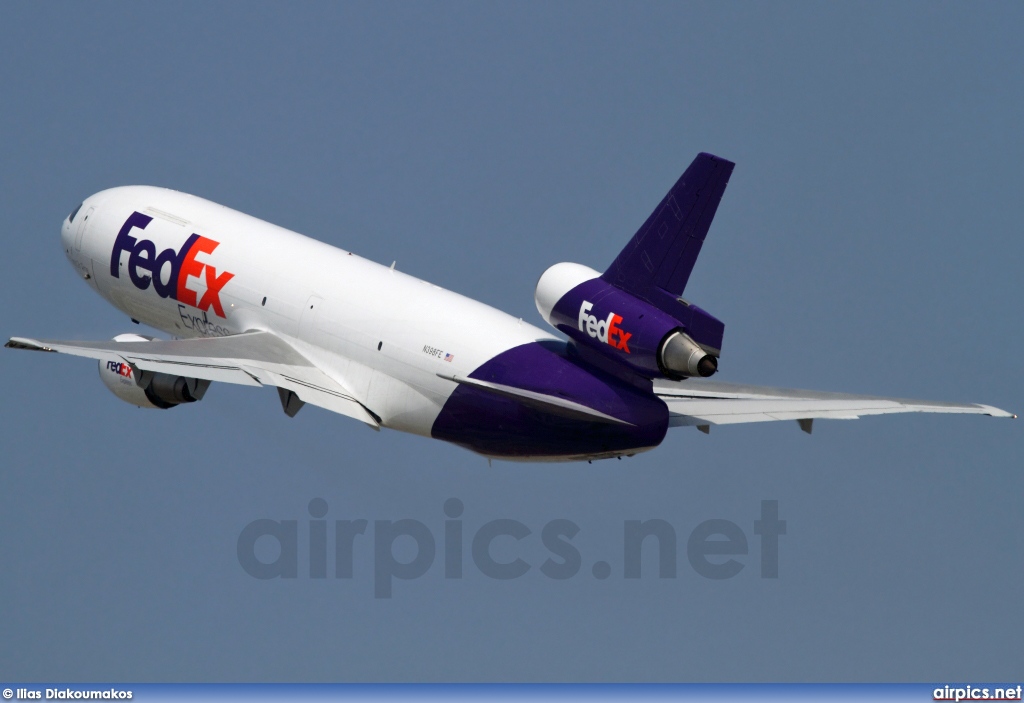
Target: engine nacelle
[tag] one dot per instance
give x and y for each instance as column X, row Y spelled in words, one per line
column 147, row 389
column 681, row 357
column 597, row 315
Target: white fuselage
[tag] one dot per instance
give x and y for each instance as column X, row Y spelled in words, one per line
column 382, row 334
column 331, row 329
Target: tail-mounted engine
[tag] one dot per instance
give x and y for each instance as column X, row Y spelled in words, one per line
column 146, row 389
column 575, row 300
column 635, row 313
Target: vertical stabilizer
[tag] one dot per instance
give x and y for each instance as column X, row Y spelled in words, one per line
column 659, row 258
column 657, row 262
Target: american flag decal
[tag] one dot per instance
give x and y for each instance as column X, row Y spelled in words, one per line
column 449, row 357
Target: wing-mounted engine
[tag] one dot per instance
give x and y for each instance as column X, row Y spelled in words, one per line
column 575, row 300
column 147, row 389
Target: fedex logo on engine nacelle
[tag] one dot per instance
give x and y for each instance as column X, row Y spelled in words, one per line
column 120, row 368
column 145, row 266
column 604, row 330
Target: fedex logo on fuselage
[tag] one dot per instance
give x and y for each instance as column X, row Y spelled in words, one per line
column 120, row 368
column 146, row 267
column 605, row 330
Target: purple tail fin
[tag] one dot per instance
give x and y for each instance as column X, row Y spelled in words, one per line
column 657, row 262
column 660, row 256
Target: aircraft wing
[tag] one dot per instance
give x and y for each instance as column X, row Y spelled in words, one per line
column 250, row 359
column 705, row 403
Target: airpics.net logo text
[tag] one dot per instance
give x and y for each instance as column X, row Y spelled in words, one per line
column 716, row 549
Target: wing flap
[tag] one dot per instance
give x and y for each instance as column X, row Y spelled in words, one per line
column 316, row 388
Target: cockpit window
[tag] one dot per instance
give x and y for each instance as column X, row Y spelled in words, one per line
column 71, row 217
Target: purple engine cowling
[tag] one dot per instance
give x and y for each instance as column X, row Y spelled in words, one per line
column 575, row 300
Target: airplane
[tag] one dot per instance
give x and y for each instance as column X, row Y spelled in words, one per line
column 250, row 303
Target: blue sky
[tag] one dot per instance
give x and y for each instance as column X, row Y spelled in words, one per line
column 869, row 241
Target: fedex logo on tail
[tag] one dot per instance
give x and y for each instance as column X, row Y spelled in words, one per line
column 605, row 330
column 146, row 267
